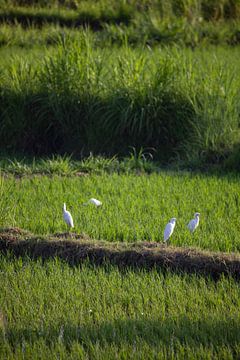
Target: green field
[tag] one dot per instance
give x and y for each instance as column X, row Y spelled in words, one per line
column 50, row 309
column 54, row 311
column 135, row 103
column 134, row 207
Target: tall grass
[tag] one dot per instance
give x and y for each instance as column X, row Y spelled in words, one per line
column 6, row 210
column 82, row 99
column 192, row 9
column 149, row 30
column 93, row 15
column 190, row 23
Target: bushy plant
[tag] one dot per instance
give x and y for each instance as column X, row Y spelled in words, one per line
column 80, row 99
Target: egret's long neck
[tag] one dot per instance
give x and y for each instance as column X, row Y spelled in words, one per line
column 197, row 219
column 64, row 207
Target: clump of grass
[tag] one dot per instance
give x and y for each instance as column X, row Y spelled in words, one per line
column 57, row 165
column 98, row 164
column 140, row 162
column 18, row 167
column 214, row 127
column 81, row 99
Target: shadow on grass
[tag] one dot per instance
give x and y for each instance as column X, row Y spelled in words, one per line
column 140, row 255
column 181, row 330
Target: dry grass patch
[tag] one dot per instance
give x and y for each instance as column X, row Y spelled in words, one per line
column 76, row 248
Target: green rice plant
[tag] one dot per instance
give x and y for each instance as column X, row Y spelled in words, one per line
column 7, row 211
column 147, row 100
column 52, row 309
column 139, row 161
column 150, row 29
column 98, row 164
column 216, row 109
column 56, row 165
column 134, row 207
column 19, row 167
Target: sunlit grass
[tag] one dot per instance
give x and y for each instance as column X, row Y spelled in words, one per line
column 96, row 313
column 81, row 99
column 134, row 207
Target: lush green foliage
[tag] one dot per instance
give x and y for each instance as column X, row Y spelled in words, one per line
column 87, row 95
column 192, row 9
column 113, row 91
column 136, row 162
column 56, row 311
column 138, row 22
column 134, row 208
column 150, row 31
column 94, row 16
column 81, row 99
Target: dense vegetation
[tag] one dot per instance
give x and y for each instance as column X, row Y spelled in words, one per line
column 190, row 23
column 140, row 84
column 110, row 87
column 134, row 208
column 124, row 11
column 80, row 99
column 53, row 310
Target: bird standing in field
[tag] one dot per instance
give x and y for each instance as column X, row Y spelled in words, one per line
column 67, row 217
column 169, row 229
column 193, row 224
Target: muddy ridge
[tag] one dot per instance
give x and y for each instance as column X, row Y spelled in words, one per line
column 77, row 248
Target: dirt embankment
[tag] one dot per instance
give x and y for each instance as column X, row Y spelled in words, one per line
column 143, row 255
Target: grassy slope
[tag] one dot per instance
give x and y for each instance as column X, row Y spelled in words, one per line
column 54, row 310
column 134, row 208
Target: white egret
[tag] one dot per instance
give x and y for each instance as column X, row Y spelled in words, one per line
column 169, row 229
column 67, row 217
column 93, row 201
column 193, row 224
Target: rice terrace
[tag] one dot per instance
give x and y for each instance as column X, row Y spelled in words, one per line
column 119, row 179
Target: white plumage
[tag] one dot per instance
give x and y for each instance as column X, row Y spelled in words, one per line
column 193, row 224
column 94, row 201
column 169, row 229
column 67, row 217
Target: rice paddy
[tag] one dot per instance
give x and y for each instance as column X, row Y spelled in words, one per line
column 110, row 100
column 53, row 310
column 134, row 207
